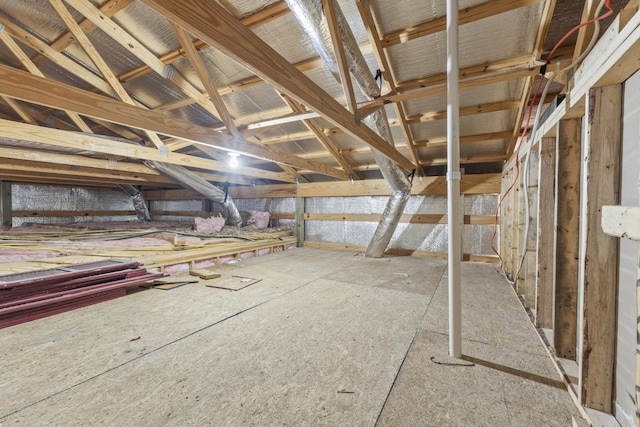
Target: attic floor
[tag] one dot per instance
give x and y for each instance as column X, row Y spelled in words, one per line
column 326, row 337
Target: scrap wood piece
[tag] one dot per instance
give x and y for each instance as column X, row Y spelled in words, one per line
column 205, row 274
column 233, row 283
column 170, row 282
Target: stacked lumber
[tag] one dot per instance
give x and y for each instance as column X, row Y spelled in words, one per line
column 35, row 294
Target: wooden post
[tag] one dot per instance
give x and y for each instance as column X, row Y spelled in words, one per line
column 506, row 237
column 530, row 267
column 300, row 220
column 546, row 234
column 462, row 226
column 5, row 204
column 599, row 256
column 567, row 232
column 206, row 208
column 516, row 244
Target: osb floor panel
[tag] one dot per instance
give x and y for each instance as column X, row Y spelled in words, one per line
column 328, row 338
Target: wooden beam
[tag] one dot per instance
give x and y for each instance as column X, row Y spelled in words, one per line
column 125, row 168
column 467, row 15
column 131, row 44
column 20, row 85
column 33, row 69
column 98, row 61
column 299, row 221
column 471, row 184
column 567, row 236
column 546, row 234
column 541, row 36
column 205, row 78
column 599, row 257
column 82, row 142
column 213, row 24
column 109, row 8
column 514, row 63
column 442, row 88
column 407, row 218
column 430, row 185
column 366, row 13
column 466, row 139
column 6, row 215
column 252, row 20
column 530, row 265
column 466, row 111
column 319, row 134
column 329, row 9
column 468, row 159
column 585, row 33
column 17, row 108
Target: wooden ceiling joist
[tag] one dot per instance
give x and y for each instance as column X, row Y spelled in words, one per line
column 125, row 168
column 84, row 142
column 213, row 24
column 20, row 85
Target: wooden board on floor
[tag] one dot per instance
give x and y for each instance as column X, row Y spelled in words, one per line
column 233, row 283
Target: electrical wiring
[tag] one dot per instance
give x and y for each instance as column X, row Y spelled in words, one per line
column 596, row 20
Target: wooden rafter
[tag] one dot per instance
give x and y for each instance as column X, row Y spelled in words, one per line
column 319, row 134
column 541, row 35
column 205, row 78
column 253, row 20
column 211, row 23
column 329, row 8
column 131, row 44
column 20, row 85
column 109, row 8
column 98, row 61
column 33, row 69
column 374, row 37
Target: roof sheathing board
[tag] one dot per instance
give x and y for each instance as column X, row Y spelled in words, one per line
column 481, row 42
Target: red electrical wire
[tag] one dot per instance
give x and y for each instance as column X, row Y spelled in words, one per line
column 607, row 4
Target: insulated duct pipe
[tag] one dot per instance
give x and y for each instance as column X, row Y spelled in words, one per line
column 188, row 179
column 453, row 181
column 142, row 212
column 310, row 16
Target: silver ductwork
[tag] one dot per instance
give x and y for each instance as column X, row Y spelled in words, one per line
column 139, row 204
column 310, row 15
column 190, row 180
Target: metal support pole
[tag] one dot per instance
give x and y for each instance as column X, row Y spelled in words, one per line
column 453, row 180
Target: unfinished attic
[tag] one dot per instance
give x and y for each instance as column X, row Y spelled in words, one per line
column 320, row 212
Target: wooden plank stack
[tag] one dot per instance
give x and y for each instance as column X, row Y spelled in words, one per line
column 35, row 294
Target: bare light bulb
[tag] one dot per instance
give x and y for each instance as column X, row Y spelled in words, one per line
column 233, row 161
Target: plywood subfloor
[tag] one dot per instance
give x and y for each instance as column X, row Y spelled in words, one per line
column 325, row 338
